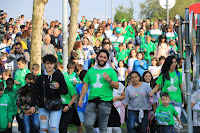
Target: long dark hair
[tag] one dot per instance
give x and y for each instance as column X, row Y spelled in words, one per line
column 160, row 38
column 166, row 66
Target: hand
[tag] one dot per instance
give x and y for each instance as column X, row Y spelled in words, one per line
column 141, row 64
column 9, row 125
column 180, row 123
column 145, row 50
column 57, row 85
column 152, row 39
column 151, row 94
column 114, row 99
column 66, row 108
column 17, row 82
column 32, row 110
column 74, row 82
column 28, row 112
column 80, row 103
column 106, row 77
column 93, row 56
column 22, row 50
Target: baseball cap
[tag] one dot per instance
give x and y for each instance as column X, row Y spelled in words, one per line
column 118, row 30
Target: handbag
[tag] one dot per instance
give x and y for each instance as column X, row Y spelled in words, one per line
column 51, row 104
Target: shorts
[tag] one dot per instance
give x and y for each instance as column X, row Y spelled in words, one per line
column 81, row 116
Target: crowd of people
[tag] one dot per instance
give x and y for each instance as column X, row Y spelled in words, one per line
column 126, row 72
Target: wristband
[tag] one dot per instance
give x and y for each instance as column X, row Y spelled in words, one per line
column 110, row 80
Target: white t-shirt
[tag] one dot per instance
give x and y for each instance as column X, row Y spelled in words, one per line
column 131, row 63
column 154, row 70
column 121, row 74
column 96, row 26
column 108, row 33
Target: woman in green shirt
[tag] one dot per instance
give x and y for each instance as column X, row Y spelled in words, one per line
column 170, row 81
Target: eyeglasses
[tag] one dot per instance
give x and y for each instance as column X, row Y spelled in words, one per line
column 17, row 48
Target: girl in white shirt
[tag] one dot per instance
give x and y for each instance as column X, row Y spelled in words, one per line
column 154, row 69
column 122, row 72
column 131, row 58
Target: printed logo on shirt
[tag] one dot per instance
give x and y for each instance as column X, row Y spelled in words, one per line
column 98, row 84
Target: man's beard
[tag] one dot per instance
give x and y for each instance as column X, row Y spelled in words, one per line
column 101, row 64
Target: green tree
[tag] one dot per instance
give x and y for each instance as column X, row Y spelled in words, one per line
column 124, row 13
column 152, row 9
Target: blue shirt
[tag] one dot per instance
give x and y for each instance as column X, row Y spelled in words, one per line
column 137, row 66
column 85, row 98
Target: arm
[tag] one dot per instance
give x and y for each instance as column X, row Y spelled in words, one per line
column 155, row 89
column 145, row 66
column 122, row 97
column 192, row 104
column 9, row 113
column 178, row 120
column 83, row 92
column 110, row 81
column 66, row 108
column 113, row 65
column 62, row 89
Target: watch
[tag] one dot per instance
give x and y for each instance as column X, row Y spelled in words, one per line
column 110, row 80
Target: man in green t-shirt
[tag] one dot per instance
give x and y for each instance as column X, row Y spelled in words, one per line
column 102, row 79
column 165, row 115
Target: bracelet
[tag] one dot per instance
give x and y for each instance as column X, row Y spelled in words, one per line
column 110, row 80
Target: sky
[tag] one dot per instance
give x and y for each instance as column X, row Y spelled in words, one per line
column 53, row 9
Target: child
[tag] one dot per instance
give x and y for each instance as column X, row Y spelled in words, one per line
column 137, row 47
column 29, row 119
column 74, row 80
column 140, row 65
column 6, row 111
column 21, row 73
column 97, row 46
column 35, row 70
column 162, row 48
column 81, row 111
column 154, row 69
column 132, row 58
column 164, row 115
column 161, row 61
column 5, row 75
column 11, row 92
column 121, row 54
column 79, row 68
column 59, row 53
column 173, row 48
column 122, row 72
column 149, row 47
column 129, row 47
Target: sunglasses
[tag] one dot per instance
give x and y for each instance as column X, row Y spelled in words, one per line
column 85, row 33
column 17, row 48
column 100, row 29
column 106, row 43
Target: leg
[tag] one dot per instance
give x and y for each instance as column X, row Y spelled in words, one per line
column 35, row 123
column 81, row 117
column 55, row 121
column 65, row 120
column 132, row 118
column 143, row 126
column 103, row 116
column 20, row 123
column 176, row 128
column 117, row 130
column 44, row 120
column 85, row 66
column 109, row 129
column 90, row 117
column 27, row 126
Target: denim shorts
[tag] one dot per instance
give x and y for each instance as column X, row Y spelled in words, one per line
column 81, row 116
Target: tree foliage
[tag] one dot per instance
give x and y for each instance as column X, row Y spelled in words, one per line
column 152, row 9
column 124, row 13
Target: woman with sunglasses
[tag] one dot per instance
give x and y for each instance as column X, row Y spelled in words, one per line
column 97, row 36
column 101, row 29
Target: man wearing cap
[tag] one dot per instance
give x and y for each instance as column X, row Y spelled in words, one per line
column 116, row 38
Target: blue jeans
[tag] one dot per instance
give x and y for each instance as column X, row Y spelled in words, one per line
column 133, row 118
column 165, row 129
column 92, row 111
column 53, row 116
column 86, row 64
column 31, row 123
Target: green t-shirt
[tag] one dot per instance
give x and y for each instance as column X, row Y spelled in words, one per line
column 121, row 55
column 176, row 48
column 143, row 42
column 72, row 91
column 169, row 111
column 171, row 86
column 99, row 87
column 20, row 75
column 150, row 47
column 73, row 77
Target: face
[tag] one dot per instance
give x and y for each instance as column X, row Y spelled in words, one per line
column 106, row 46
column 172, row 43
column 163, row 40
column 125, row 23
column 18, row 48
column 16, row 30
column 141, row 31
column 49, row 66
column 29, row 81
column 165, row 100
column 135, row 78
column 85, row 33
column 121, row 64
column 133, row 53
column 130, row 46
column 181, row 63
column 147, row 77
column 97, row 43
column 85, row 42
column 154, row 62
column 9, row 85
column 70, row 71
column 5, row 76
column 155, row 25
column 173, row 65
column 162, row 61
column 35, row 72
column 102, row 59
column 47, row 40
column 18, row 39
column 21, row 65
column 121, row 48
column 100, row 30
column 109, row 21
column 139, row 56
